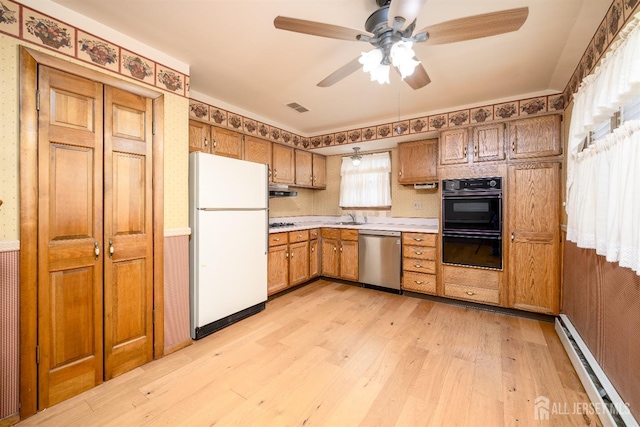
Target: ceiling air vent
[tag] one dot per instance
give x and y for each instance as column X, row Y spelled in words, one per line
column 299, row 108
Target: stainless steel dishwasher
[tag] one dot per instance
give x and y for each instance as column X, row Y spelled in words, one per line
column 379, row 258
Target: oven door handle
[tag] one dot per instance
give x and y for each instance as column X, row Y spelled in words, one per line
column 473, row 196
column 490, row 236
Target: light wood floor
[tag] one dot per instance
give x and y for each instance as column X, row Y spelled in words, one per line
column 338, row 355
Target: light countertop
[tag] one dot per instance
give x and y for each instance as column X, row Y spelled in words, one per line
column 416, row 225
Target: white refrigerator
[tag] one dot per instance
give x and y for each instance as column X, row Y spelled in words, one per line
column 229, row 219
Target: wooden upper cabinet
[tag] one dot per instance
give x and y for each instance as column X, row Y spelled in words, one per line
column 283, row 167
column 226, row 143
column 454, row 146
column 319, row 171
column 199, row 136
column 488, row 142
column 304, row 168
column 535, row 137
column 418, row 161
column 257, row 150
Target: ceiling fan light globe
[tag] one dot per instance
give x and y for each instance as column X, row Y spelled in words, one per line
column 407, row 68
column 380, row 74
column 402, row 55
column 370, row 60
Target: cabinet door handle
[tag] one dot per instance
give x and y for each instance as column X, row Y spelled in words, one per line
column 96, row 251
column 275, row 173
column 417, row 265
column 418, row 282
column 513, row 146
column 417, row 239
column 464, row 152
column 286, row 254
column 400, row 173
column 513, row 235
column 206, row 142
column 475, row 151
column 470, row 293
column 340, row 248
column 215, row 144
column 334, row 249
column 291, row 255
column 111, row 249
column 269, row 170
column 277, row 239
column 313, row 249
column 418, row 252
column 299, row 236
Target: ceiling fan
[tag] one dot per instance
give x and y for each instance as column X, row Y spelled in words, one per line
column 390, row 30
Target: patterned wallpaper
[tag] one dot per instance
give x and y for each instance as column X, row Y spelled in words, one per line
column 419, row 125
column 27, row 24
column 9, row 152
column 617, row 16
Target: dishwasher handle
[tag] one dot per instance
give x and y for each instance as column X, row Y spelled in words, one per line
column 380, row 233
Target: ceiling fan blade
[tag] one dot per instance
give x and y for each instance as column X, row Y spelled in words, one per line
column 418, row 79
column 342, row 72
column 475, row 27
column 407, row 9
column 317, row 28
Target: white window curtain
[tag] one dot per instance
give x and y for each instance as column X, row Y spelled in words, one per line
column 369, row 184
column 603, row 201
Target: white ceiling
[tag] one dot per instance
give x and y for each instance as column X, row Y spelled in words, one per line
column 238, row 57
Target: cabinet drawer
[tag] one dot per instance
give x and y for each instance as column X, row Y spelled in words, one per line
column 473, row 277
column 330, row 233
column 419, row 282
column 419, row 266
column 277, row 239
column 419, row 239
column 419, row 252
column 298, row 236
column 348, row 234
column 472, row 293
column 313, row 233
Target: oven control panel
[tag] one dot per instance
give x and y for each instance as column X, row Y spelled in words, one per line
column 472, row 184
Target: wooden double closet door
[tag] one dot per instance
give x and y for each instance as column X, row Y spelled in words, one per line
column 95, row 234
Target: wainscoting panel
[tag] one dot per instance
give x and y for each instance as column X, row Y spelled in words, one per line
column 9, row 333
column 602, row 300
column 176, row 293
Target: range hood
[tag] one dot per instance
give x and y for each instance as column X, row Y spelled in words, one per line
column 281, row 190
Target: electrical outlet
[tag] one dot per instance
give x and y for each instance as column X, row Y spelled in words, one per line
column 417, row 205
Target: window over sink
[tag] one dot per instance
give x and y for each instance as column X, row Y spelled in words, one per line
column 367, row 185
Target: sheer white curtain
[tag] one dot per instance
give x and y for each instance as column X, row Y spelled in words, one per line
column 603, row 200
column 369, row 184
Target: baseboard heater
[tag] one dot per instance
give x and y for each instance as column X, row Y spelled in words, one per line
column 612, row 410
column 212, row 327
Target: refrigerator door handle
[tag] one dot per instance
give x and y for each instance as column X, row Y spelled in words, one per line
column 266, row 204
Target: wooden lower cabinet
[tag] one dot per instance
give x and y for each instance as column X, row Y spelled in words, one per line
column 314, row 254
column 419, row 262
column 278, row 263
column 340, row 253
column 290, row 260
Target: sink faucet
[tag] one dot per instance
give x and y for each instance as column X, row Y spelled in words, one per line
column 353, row 216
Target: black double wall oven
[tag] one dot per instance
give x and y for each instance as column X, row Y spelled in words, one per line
column 472, row 222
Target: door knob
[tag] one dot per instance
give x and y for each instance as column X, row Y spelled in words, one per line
column 111, row 249
column 96, row 250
